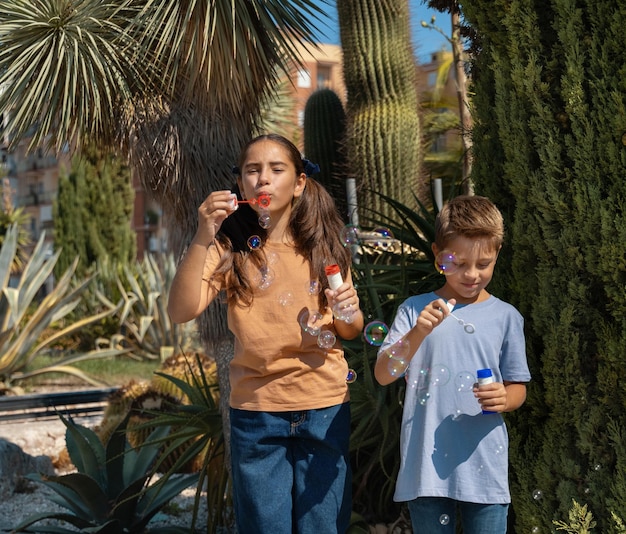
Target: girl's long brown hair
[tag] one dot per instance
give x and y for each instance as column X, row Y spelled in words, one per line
column 314, row 225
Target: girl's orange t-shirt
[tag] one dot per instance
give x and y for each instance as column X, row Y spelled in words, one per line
column 277, row 365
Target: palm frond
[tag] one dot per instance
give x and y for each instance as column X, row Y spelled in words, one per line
column 65, row 68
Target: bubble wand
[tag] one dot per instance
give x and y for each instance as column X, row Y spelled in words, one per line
column 446, row 264
column 263, row 200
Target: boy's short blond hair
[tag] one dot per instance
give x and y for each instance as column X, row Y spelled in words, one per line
column 469, row 216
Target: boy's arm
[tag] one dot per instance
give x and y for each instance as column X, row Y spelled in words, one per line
column 431, row 316
column 501, row 396
column 515, row 395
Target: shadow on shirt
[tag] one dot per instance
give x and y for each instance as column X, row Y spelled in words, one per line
column 456, row 439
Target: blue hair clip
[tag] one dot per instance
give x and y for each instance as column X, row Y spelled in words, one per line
column 310, row 168
column 235, row 170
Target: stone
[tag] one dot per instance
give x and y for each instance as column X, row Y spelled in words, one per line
column 15, row 464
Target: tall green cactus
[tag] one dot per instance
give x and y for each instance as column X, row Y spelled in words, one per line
column 324, row 131
column 383, row 128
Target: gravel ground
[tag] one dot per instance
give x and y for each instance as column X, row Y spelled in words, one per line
column 47, row 437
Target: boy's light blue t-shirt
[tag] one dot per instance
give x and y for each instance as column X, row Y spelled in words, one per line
column 449, row 448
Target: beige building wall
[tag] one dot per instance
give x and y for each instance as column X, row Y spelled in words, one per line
column 322, row 68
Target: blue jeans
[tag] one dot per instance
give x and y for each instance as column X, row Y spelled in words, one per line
column 437, row 515
column 291, row 471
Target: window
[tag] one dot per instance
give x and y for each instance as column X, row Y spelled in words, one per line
column 304, row 78
column 323, row 77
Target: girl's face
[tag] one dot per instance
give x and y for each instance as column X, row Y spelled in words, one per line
column 475, row 261
column 268, row 169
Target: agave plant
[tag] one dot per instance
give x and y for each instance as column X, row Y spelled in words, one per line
column 197, row 430
column 111, row 490
column 24, row 320
column 10, row 216
column 147, row 330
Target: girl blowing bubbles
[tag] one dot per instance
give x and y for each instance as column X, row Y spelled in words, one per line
column 290, row 416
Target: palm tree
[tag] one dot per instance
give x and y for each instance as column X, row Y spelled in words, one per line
column 175, row 86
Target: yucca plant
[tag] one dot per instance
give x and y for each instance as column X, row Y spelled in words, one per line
column 24, row 320
column 111, row 490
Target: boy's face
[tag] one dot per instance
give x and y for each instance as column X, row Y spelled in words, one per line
column 475, row 261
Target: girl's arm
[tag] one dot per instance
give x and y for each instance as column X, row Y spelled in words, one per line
column 191, row 293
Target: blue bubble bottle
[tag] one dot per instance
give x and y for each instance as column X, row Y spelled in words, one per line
column 485, row 376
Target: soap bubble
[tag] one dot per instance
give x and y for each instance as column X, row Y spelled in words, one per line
column 399, row 350
column 285, row 299
column 397, row 367
column 383, row 237
column 444, row 519
column 271, row 258
column 375, row 333
column 265, row 220
column 326, row 339
column 384, row 232
column 254, row 242
column 264, row 277
column 537, row 494
column 349, row 235
column 313, row 287
column 417, row 379
column 464, row 381
column 446, row 262
column 439, row 375
column 351, row 376
column 343, row 314
column 423, row 398
column 310, row 321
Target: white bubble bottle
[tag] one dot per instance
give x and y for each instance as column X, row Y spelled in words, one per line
column 333, row 273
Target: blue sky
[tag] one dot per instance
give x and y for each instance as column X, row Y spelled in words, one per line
column 425, row 41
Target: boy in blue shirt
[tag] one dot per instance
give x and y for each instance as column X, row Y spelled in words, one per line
column 454, row 457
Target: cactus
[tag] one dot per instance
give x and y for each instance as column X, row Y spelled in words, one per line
column 180, row 366
column 143, row 401
column 383, row 127
column 324, row 131
column 118, row 407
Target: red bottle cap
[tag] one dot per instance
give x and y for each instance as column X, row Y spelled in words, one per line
column 332, row 269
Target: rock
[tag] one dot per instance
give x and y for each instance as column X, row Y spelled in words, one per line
column 15, row 464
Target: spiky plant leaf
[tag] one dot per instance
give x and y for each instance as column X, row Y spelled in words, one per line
column 24, row 321
column 79, row 493
column 85, row 450
column 60, row 516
